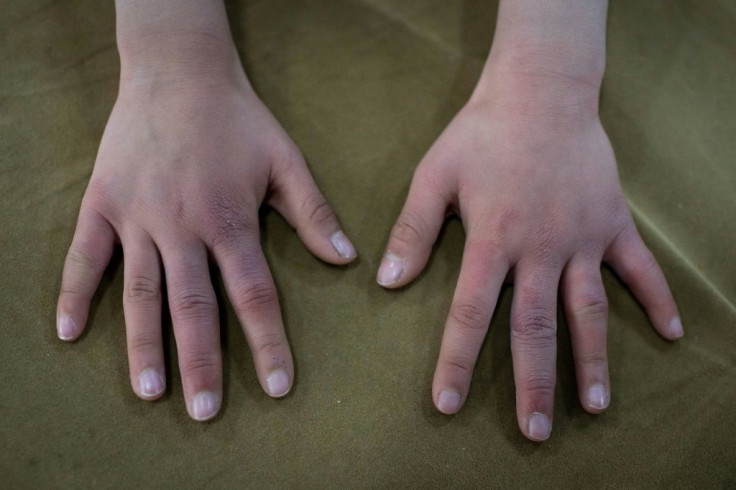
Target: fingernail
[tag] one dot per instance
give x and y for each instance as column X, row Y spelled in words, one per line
column 66, row 327
column 150, row 383
column 448, row 402
column 278, row 383
column 342, row 245
column 539, row 427
column 204, row 406
column 597, row 397
column 676, row 327
column 391, row 269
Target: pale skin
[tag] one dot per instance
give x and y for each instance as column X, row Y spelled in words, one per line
column 190, row 154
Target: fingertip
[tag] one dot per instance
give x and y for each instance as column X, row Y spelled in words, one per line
column 449, row 402
column 204, row 406
column 391, row 270
column 151, row 385
column 343, row 247
column 66, row 328
column 675, row 330
column 597, row 399
column 278, row 384
column 539, row 427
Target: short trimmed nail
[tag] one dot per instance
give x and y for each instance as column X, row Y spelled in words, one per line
column 448, row 401
column 676, row 327
column 277, row 383
column 342, row 245
column 204, row 406
column 539, row 427
column 150, row 383
column 65, row 327
column 391, row 269
column 597, row 397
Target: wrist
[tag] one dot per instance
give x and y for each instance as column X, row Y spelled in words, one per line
column 175, row 42
column 178, row 58
column 543, row 80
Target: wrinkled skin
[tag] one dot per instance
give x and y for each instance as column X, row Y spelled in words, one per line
column 179, row 178
column 536, row 187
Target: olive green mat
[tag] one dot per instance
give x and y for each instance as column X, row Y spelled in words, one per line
column 364, row 87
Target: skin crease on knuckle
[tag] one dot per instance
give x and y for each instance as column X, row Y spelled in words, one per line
column 141, row 289
column 409, row 229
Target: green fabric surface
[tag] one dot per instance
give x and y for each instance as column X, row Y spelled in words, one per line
column 364, row 87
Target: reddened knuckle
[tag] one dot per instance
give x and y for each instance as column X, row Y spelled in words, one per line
column 143, row 341
column 592, row 358
column 229, row 223
column 409, row 228
column 469, row 314
column 256, row 295
column 318, row 209
column 198, row 360
column 459, row 363
column 194, row 303
column 81, row 258
column 269, row 342
column 285, row 156
column 142, row 289
column 534, row 324
column 649, row 263
column 591, row 305
column 541, row 384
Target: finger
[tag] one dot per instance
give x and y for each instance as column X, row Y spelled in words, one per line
column 142, row 307
column 534, row 347
column 414, row 233
column 636, row 266
column 88, row 256
column 586, row 309
column 478, row 286
column 298, row 199
column 252, row 293
column 196, row 327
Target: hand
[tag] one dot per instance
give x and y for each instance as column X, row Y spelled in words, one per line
column 182, row 169
column 533, row 178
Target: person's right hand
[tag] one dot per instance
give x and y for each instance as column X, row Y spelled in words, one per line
column 184, row 164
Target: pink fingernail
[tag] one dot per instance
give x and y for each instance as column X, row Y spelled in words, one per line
column 448, row 402
column 150, row 383
column 676, row 327
column 597, row 397
column 342, row 245
column 65, row 327
column 390, row 270
column 278, row 383
column 204, row 406
column 539, row 427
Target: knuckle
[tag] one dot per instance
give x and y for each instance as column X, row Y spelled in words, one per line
column 80, row 258
column 229, row 223
column 269, row 342
column 540, row 384
column 470, row 315
column 193, row 303
column 256, row 296
column 409, row 228
column 198, row 360
column 534, row 324
column 459, row 363
column 318, row 209
column 143, row 341
column 593, row 358
column 285, row 156
column 648, row 264
column 592, row 305
column 142, row 289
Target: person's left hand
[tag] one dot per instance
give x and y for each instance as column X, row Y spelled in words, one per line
column 533, row 178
